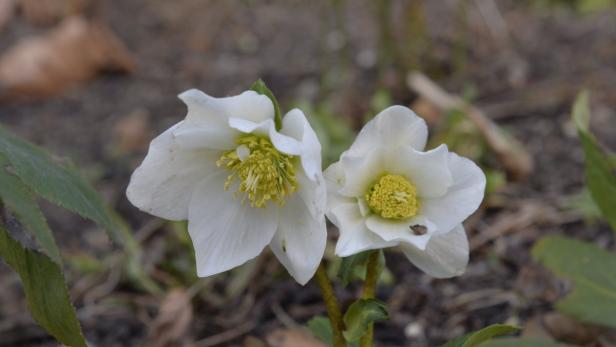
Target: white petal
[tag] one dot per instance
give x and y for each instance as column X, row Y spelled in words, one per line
column 400, row 230
column 283, row 143
column 215, row 136
column 393, row 127
column 295, row 125
column 428, row 171
column 445, row 256
column 354, row 235
column 360, row 172
column 249, row 105
column 299, row 242
column 225, row 232
column 313, row 193
column 163, row 184
column 461, row 199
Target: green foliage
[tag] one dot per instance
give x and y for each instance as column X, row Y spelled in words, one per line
column 600, row 179
column 354, row 267
column 593, row 271
column 583, row 203
column 321, row 329
column 45, row 290
column 60, row 184
column 360, row 314
column 514, row 342
column 478, row 337
column 260, row 87
column 20, row 200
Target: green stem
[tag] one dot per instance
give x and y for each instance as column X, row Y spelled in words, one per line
column 372, row 277
column 331, row 304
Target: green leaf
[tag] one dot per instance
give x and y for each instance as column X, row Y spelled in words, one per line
column 321, row 329
column 260, row 87
column 485, row 334
column 354, row 267
column 593, row 271
column 600, row 179
column 514, row 342
column 360, row 314
column 19, row 199
column 60, row 184
column 45, row 290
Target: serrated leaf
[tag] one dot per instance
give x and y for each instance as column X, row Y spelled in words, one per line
column 593, row 272
column 354, row 267
column 60, row 184
column 321, row 328
column 45, row 290
column 260, row 87
column 19, row 199
column 475, row 338
column 360, row 314
column 514, row 342
column 600, row 178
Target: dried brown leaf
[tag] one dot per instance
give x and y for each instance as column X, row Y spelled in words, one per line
column 171, row 326
column 45, row 12
column 292, row 338
column 7, row 11
column 75, row 52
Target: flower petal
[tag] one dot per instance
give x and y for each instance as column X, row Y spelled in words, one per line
column 249, row 105
column 295, row 125
column 461, row 199
column 225, row 232
column 163, row 184
column 215, row 136
column 299, row 242
column 393, row 127
column 283, row 143
column 428, row 171
column 360, row 172
column 400, row 230
column 355, row 237
column 445, row 256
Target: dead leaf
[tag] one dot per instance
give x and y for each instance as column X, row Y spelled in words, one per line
column 45, row 12
column 74, row 52
column 251, row 341
column 292, row 338
column 7, row 11
column 567, row 329
column 131, row 133
column 172, row 324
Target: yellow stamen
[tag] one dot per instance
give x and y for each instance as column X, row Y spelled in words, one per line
column 264, row 173
column 393, row 197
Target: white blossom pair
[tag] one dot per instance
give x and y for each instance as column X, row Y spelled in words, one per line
column 243, row 184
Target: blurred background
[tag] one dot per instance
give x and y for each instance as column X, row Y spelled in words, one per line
column 95, row 81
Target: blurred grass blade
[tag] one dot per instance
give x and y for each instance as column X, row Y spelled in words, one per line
column 60, row 184
column 20, row 200
column 45, row 290
column 478, row 337
column 600, row 178
column 513, row 342
column 593, row 271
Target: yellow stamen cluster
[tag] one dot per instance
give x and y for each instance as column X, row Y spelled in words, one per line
column 393, row 197
column 264, row 173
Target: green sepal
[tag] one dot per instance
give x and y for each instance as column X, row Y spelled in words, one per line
column 260, row 87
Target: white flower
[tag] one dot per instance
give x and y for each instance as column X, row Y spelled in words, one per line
column 240, row 183
column 386, row 191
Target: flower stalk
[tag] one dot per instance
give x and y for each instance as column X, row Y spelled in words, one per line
column 369, row 292
column 332, row 306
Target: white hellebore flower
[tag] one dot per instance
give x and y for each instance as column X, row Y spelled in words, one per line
column 386, row 191
column 240, row 183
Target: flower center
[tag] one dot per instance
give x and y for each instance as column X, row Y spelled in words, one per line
column 263, row 172
column 393, row 197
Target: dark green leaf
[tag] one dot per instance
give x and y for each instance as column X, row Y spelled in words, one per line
column 60, row 184
column 485, row 334
column 593, row 271
column 600, row 178
column 45, row 290
column 260, row 87
column 321, row 329
column 354, row 267
column 360, row 314
column 513, row 342
column 19, row 199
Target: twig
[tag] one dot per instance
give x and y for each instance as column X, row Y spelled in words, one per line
column 228, row 335
column 511, row 153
